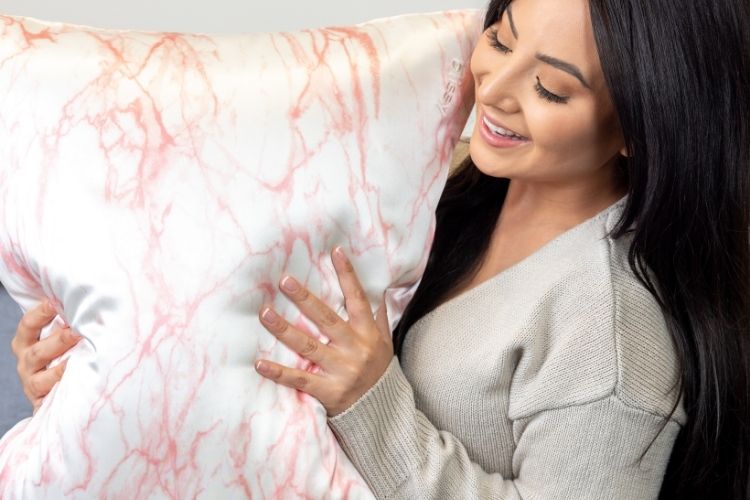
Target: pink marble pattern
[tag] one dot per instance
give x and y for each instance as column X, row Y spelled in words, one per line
column 157, row 185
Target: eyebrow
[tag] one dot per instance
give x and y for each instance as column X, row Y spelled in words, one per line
column 567, row 67
column 552, row 61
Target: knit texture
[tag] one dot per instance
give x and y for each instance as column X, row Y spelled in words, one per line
column 549, row 380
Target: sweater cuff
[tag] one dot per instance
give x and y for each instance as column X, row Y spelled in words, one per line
column 379, row 432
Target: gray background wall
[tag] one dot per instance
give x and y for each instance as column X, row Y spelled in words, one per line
column 223, row 16
column 217, row 16
column 13, row 404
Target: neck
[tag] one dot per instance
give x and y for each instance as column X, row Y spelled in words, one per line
column 562, row 205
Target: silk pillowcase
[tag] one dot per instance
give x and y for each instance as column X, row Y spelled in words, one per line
column 157, row 185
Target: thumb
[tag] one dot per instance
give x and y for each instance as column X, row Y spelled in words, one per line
column 381, row 319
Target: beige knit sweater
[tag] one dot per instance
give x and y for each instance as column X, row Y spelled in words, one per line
column 547, row 381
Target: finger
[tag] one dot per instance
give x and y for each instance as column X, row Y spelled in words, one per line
column 42, row 382
column 325, row 318
column 292, row 377
column 301, row 343
column 31, row 325
column 357, row 304
column 381, row 320
column 42, row 352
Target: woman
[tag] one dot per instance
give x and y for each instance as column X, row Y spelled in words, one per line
column 581, row 329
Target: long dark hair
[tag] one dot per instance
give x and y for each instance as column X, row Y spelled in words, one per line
column 679, row 77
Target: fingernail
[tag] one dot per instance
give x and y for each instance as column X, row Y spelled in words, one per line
column 289, row 284
column 340, row 252
column 70, row 336
column 268, row 315
column 263, row 368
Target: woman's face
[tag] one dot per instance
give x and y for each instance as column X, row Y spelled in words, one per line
column 542, row 81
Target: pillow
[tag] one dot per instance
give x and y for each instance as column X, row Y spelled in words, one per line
column 156, row 186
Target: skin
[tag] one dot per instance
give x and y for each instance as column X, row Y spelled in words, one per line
column 358, row 354
column 572, row 148
column 565, row 174
column 33, row 355
column 561, row 177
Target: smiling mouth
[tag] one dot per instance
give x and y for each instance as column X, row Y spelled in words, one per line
column 500, row 131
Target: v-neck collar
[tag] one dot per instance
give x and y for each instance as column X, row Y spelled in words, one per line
column 532, row 257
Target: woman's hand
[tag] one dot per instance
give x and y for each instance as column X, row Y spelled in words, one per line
column 34, row 355
column 359, row 351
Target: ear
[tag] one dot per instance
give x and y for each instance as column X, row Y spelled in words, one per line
column 624, row 152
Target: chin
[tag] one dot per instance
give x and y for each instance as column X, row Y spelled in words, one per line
column 486, row 162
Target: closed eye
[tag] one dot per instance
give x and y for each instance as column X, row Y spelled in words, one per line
column 549, row 96
column 492, row 37
column 540, row 90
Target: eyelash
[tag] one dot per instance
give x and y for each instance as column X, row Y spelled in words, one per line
column 492, row 37
column 543, row 93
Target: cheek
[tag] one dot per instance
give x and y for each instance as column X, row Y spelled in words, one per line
column 481, row 61
column 565, row 134
column 474, row 62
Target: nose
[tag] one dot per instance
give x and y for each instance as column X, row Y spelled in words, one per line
column 496, row 88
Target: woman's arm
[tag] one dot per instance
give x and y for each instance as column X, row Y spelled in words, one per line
column 588, row 451
column 33, row 355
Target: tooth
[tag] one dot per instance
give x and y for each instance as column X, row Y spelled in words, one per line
column 501, row 131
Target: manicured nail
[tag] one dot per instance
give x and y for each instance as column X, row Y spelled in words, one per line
column 289, row 284
column 263, row 368
column 73, row 335
column 340, row 254
column 268, row 315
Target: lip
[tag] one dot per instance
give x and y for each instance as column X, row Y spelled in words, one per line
column 495, row 140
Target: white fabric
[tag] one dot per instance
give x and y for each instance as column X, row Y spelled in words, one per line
column 158, row 185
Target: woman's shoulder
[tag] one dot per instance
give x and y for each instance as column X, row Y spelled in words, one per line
column 647, row 361
column 603, row 335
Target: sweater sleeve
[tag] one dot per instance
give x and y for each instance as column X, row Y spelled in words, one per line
column 587, row 451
